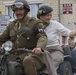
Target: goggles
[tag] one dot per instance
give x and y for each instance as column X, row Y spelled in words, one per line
column 19, row 5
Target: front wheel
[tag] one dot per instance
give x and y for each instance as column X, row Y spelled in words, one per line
column 65, row 68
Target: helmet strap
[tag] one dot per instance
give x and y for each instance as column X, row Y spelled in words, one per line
column 26, row 12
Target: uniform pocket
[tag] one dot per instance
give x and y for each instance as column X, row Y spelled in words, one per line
column 13, row 35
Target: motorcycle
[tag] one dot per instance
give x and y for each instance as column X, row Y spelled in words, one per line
column 10, row 67
column 13, row 67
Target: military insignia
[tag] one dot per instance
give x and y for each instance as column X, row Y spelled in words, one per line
column 41, row 30
column 41, row 11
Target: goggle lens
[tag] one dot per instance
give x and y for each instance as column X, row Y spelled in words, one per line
column 17, row 5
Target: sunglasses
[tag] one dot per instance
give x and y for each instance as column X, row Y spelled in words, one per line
column 19, row 5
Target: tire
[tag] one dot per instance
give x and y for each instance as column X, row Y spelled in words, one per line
column 65, row 68
column 4, row 70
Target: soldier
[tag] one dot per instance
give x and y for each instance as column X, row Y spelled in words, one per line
column 52, row 29
column 37, row 40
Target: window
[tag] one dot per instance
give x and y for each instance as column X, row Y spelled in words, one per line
column 33, row 10
column 9, row 11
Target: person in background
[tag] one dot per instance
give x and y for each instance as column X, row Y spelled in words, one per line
column 65, row 45
column 71, row 43
column 52, row 29
column 36, row 41
column 68, row 44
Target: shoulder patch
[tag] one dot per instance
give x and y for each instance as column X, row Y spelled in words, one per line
column 39, row 30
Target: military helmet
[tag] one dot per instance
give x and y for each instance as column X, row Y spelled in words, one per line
column 25, row 3
column 43, row 10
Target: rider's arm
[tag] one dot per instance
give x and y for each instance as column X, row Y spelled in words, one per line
column 62, row 29
column 41, row 36
column 73, row 33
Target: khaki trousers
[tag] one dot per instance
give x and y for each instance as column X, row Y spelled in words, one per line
column 54, row 59
column 31, row 62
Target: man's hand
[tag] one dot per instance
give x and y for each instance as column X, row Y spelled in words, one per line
column 37, row 51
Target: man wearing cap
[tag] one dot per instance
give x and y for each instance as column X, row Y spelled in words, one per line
column 36, row 41
column 52, row 29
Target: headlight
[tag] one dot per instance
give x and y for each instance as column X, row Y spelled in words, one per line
column 8, row 46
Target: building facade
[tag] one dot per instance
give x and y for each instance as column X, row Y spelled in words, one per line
column 64, row 11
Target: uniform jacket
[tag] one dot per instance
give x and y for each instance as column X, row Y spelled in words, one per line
column 36, row 39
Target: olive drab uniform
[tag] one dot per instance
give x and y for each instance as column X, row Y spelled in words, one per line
column 36, row 39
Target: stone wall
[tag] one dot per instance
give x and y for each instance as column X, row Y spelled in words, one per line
column 57, row 13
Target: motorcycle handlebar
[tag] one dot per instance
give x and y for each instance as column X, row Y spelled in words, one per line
column 22, row 50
